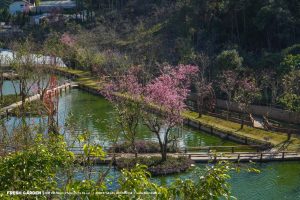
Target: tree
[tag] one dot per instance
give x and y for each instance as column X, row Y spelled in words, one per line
column 161, row 101
column 125, row 92
column 204, row 93
column 54, row 48
column 229, row 60
column 291, row 96
column 269, row 84
column 35, row 168
column 289, row 63
column 50, row 101
column 245, row 93
column 167, row 94
column 5, row 16
column 23, row 64
column 227, row 84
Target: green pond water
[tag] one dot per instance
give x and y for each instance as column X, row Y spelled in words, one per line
column 277, row 180
column 12, row 87
column 93, row 113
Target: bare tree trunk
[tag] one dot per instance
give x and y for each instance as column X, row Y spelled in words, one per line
column 165, row 146
column 23, row 95
column 162, row 148
column 227, row 105
column 164, row 153
column 134, row 147
column 242, row 118
column 199, row 105
column 1, row 86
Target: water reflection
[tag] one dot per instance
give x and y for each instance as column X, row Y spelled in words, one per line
column 93, row 113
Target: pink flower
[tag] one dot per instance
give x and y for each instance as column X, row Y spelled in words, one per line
column 168, row 91
column 67, row 39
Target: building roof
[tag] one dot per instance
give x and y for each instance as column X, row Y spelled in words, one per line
column 25, row 1
column 66, row 3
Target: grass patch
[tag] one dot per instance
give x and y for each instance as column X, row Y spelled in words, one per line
column 279, row 140
column 83, row 78
column 75, row 72
column 9, row 99
column 171, row 166
column 34, row 108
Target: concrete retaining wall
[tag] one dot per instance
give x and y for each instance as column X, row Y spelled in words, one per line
column 271, row 112
column 225, row 135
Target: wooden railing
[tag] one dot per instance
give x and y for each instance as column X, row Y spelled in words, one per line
column 246, row 156
column 232, row 149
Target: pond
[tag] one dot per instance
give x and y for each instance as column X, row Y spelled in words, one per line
column 12, row 87
column 277, row 180
column 92, row 113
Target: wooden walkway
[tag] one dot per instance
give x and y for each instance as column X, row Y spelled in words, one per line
column 210, row 154
column 6, row 110
column 245, row 156
column 211, row 157
column 198, row 157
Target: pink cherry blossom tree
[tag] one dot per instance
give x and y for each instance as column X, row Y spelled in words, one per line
column 159, row 103
column 167, row 93
column 67, row 39
column 124, row 92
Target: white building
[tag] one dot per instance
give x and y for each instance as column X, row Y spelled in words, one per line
column 20, row 7
column 8, row 56
column 49, row 6
column 43, row 7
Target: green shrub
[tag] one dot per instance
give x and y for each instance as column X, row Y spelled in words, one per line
column 141, row 146
column 229, row 59
column 155, row 166
column 35, row 168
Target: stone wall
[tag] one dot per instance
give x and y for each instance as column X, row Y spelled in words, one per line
column 270, row 112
